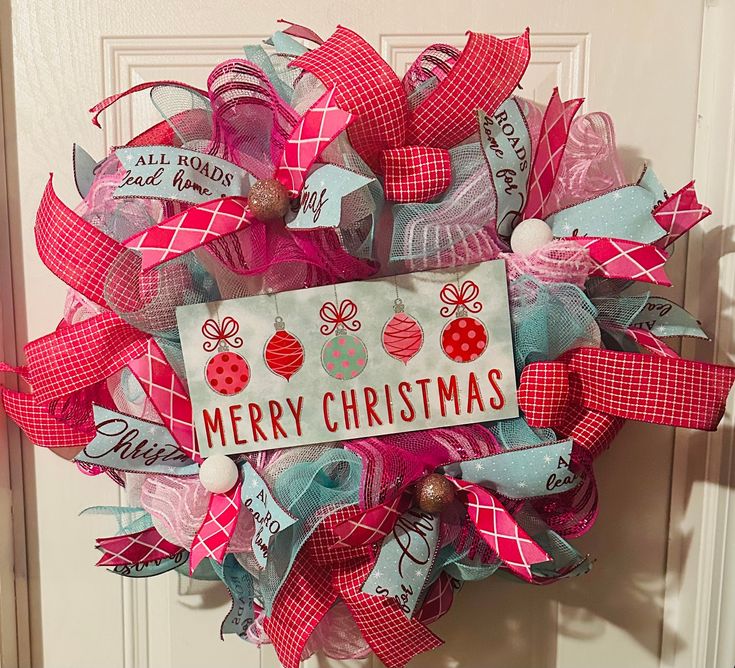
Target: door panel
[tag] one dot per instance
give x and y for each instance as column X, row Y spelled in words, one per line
column 67, row 56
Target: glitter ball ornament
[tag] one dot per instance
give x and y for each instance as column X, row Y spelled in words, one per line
column 226, row 372
column 268, row 199
column 465, row 338
column 283, row 354
column 344, row 356
column 433, row 493
column 402, row 335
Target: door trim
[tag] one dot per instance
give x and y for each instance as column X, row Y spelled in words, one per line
column 699, row 602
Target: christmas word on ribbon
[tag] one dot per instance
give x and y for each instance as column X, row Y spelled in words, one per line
column 405, row 560
column 126, row 443
column 320, row 202
column 151, row 568
column 390, row 355
column 268, row 515
column 165, row 172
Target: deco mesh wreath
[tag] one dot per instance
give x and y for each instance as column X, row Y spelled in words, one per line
column 299, row 168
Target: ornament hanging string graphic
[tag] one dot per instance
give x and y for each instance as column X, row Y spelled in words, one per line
column 402, row 335
column 345, row 355
column 283, row 353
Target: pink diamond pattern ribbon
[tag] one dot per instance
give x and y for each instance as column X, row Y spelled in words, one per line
column 168, row 396
column 620, row 258
column 216, row 531
column 191, row 229
column 318, row 128
column 679, row 213
column 372, row 525
column 500, row 531
column 438, row 600
column 552, row 143
column 135, row 548
column 650, row 342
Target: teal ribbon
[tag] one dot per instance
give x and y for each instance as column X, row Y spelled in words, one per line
column 506, row 144
column 621, row 214
column 152, row 568
column 405, row 560
column 257, row 55
column 240, row 585
column 269, row 517
column 664, row 318
column 167, row 172
column 539, row 470
column 283, row 43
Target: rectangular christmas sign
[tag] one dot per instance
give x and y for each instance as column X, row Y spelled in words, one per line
column 388, row 355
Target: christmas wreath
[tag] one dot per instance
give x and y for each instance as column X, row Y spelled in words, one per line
column 344, row 453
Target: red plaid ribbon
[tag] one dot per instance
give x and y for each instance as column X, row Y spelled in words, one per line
column 73, row 249
column 484, row 75
column 77, row 356
column 319, row 575
column 141, row 547
column 549, row 152
column 373, row 525
column 415, row 173
column 650, row 388
column 39, row 426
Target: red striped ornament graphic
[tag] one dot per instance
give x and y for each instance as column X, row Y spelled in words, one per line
column 402, row 334
column 284, row 353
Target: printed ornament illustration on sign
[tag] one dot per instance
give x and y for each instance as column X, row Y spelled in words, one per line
column 439, row 289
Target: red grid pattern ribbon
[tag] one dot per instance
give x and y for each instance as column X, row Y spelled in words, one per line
column 73, row 249
column 549, row 152
column 415, row 173
column 141, row 547
column 661, row 390
column 319, row 575
column 485, row 74
column 77, row 356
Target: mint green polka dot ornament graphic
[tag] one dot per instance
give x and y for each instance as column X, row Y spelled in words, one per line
column 344, row 355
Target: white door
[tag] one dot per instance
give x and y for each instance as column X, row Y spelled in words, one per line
column 638, row 60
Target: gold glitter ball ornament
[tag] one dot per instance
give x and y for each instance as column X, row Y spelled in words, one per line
column 268, row 200
column 433, row 493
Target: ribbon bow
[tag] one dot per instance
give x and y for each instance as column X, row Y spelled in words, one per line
column 408, row 144
column 588, row 393
column 339, row 317
column 224, row 333
column 206, row 222
column 460, row 299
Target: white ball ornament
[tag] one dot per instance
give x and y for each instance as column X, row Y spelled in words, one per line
column 218, row 473
column 529, row 235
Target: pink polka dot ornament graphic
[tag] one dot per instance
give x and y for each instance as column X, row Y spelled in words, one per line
column 344, row 356
column 227, row 373
column 464, row 338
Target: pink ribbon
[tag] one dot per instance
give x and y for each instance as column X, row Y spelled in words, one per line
column 141, row 547
column 552, row 141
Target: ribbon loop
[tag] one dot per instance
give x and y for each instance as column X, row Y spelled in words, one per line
column 625, row 385
column 415, row 173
